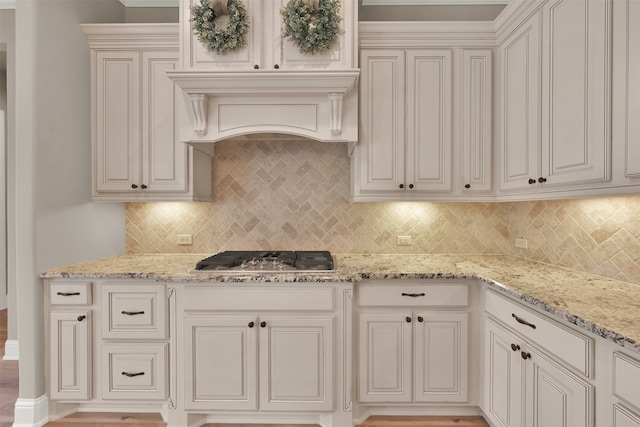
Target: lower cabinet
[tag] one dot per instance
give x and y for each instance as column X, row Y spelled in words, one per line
column 70, row 355
column 625, row 387
column 412, row 342
column 526, row 385
column 275, row 353
column 265, row 362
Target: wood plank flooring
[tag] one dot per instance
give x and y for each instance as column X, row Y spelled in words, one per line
column 9, row 394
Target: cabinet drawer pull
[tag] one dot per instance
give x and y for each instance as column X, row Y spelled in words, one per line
column 525, row 355
column 81, row 318
column 129, row 374
column 408, row 319
column 263, row 324
column 420, row 319
column 132, row 313
column 522, row 321
column 404, row 294
column 68, row 294
column 251, row 324
column 515, row 347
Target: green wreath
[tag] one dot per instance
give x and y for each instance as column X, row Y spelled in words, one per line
column 312, row 32
column 214, row 38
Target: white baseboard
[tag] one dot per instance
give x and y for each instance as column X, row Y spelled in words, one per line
column 31, row 412
column 11, row 350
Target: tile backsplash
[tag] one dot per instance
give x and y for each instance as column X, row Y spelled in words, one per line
column 293, row 194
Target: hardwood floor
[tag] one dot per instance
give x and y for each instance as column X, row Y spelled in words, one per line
column 9, row 394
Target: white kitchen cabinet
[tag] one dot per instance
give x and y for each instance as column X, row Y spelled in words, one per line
column 405, row 143
column 221, row 363
column 519, row 129
column 266, row 350
column 410, row 356
column 136, row 152
column 70, row 340
column 408, row 353
column 266, row 49
column 565, row 48
column 530, row 374
column 476, row 130
column 632, row 89
column 285, row 360
column 70, row 355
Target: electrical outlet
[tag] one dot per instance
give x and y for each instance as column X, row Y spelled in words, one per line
column 185, row 239
column 404, row 240
column 522, row 243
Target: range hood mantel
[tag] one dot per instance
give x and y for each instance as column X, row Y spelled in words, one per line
column 318, row 96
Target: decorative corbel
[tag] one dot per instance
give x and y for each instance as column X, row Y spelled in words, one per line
column 336, row 112
column 199, row 102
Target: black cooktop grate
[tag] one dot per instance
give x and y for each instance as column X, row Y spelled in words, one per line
column 292, row 260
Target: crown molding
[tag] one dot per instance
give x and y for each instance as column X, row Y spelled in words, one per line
column 148, row 3
column 7, row 4
column 432, row 2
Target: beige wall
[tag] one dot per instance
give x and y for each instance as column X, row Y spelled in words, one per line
column 293, row 194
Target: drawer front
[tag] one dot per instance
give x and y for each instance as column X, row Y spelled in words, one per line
column 134, row 311
column 70, row 293
column 626, row 379
column 454, row 294
column 571, row 346
column 134, row 372
column 263, row 299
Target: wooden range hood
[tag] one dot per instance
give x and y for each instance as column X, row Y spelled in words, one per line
column 268, row 86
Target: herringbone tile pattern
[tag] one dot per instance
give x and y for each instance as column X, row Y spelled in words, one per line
column 294, row 195
column 600, row 236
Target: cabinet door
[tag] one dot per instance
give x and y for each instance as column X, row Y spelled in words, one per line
column 382, row 134
column 296, row 363
column 198, row 57
column 555, row 396
column 117, row 117
column 287, row 55
column 503, row 380
column 476, row 130
column 70, row 355
column 428, row 156
column 385, row 347
column 576, row 91
column 623, row 417
column 440, row 357
column 519, row 105
column 633, row 90
column 164, row 157
column 220, row 366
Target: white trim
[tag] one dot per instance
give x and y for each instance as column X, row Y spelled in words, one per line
column 31, row 412
column 148, row 3
column 7, row 4
column 11, row 350
column 431, row 2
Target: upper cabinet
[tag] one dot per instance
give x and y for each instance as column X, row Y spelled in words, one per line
column 555, row 96
column 266, row 48
column 425, row 115
column 268, row 85
column 136, row 152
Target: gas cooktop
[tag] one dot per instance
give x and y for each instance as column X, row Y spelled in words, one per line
column 267, row 262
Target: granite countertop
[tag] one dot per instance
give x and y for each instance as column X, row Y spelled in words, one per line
column 606, row 307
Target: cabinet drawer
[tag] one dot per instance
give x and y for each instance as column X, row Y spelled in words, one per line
column 263, row 299
column 134, row 371
column 134, row 311
column 626, row 379
column 454, row 294
column 571, row 346
column 70, row 293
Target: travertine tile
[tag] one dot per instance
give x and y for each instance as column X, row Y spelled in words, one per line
column 290, row 194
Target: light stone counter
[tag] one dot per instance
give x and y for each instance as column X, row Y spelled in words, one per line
column 606, row 307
